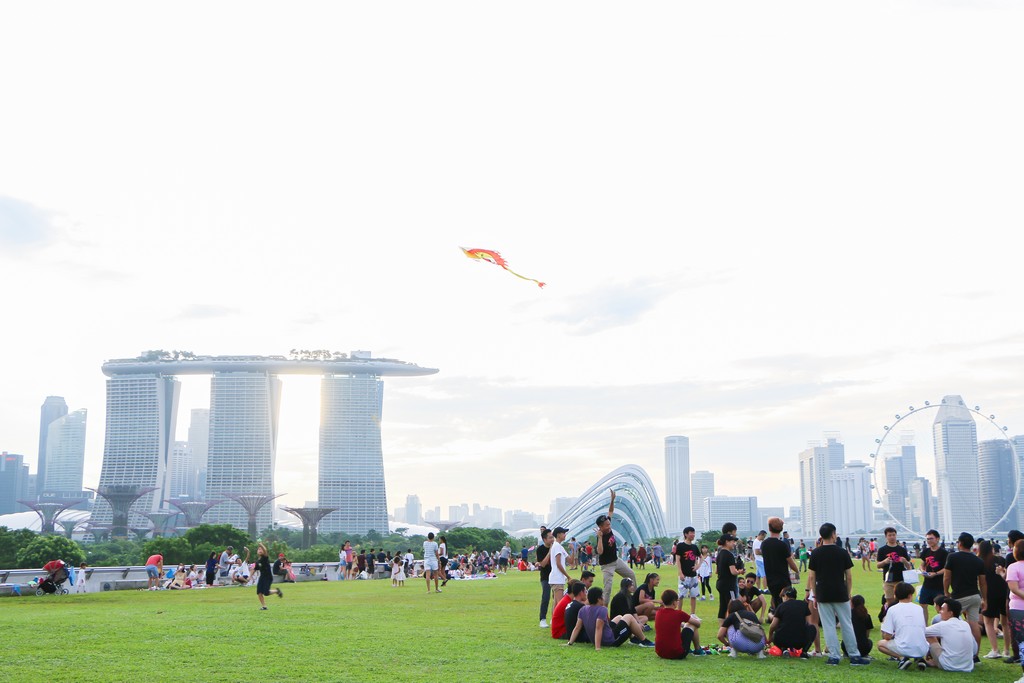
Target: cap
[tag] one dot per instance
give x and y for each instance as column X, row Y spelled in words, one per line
column 728, row 537
column 560, row 530
column 280, row 554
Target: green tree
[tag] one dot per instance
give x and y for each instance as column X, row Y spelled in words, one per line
column 12, row 540
column 174, row 550
column 220, row 535
column 710, row 538
column 42, row 549
column 116, row 553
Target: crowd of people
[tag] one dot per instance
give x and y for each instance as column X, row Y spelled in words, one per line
column 975, row 591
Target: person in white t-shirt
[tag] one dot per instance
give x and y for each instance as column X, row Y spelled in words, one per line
column 759, row 560
column 430, row 562
column 952, row 643
column 559, row 558
column 903, row 630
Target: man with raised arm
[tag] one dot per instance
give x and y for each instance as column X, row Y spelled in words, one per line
column 608, row 552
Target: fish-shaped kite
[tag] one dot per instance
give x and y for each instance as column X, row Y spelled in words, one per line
column 497, row 259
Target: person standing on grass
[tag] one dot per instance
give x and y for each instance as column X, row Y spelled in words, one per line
column 778, row 561
column 893, row 559
column 154, row 570
column 558, row 559
column 607, row 552
column 964, row 580
column 266, row 576
column 727, row 573
column 830, row 576
column 759, row 570
column 687, row 554
column 544, row 565
column 442, row 558
column 211, row 568
column 933, row 564
column 1014, row 574
column 503, row 558
column 675, row 631
column 996, row 598
column 430, row 562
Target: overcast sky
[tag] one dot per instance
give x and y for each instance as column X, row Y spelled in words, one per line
column 757, row 221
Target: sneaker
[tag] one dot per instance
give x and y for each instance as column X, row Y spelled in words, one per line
column 804, row 655
column 647, row 627
column 647, row 643
column 263, row 608
column 635, row 640
column 543, row 623
column 699, row 653
column 280, row 593
column 860, row 661
column 438, row 590
column 1011, row 660
column 904, row 663
column 786, row 654
column 833, row 661
column 993, row 654
column 761, row 655
column 732, row 652
column 921, row 666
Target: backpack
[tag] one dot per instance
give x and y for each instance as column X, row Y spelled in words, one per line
column 751, row 630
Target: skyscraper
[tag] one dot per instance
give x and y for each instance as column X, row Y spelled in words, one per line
column 955, row 439
column 413, row 509
column 899, row 469
column 244, row 409
column 816, row 464
column 849, row 500
column 677, row 483
column 180, row 471
column 141, row 413
column 740, row 510
column 702, row 485
column 996, row 483
column 65, row 455
column 53, row 407
column 919, row 496
column 199, row 443
column 13, row 482
column 351, row 459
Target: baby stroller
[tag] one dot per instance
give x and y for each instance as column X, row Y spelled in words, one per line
column 53, row 584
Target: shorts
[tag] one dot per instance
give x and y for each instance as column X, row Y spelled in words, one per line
column 502, row 562
column 152, row 572
column 889, row 589
column 263, row 585
column 926, row 596
column 620, row 633
column 759, row 564
column 689, row 587
column 995, row 608
column 971, row 605
column 430, row 566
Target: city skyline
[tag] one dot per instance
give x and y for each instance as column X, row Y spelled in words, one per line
column 753, row 229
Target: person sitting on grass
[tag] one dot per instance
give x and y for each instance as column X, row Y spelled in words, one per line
column 578, row 600
column 903, row 630
column 751, row 594
column 622, row 602
column 558, row 614
column 793, row 626
column 747, row 640
column 951, row 641
column 644, row 603
column 593, row 620
column 240, row 572
column 675, row 630
column 862, row 626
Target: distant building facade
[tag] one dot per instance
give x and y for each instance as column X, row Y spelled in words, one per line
column 65, row 455
column 677, row 482
column 702, row 485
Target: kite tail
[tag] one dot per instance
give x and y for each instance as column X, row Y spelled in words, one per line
column 523, row 277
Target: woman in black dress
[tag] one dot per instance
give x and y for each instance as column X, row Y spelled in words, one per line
column 266, row 576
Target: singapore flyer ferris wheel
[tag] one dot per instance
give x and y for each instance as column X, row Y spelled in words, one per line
column 966, row 478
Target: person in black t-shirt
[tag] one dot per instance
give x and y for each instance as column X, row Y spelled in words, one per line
column 829, row 576
column 751, row 595
column 778, row 561
column 792, row 627
column 933, row 564
column 608, row 552
column 644, row 602
column 729, row 632
column 686, row 560
column 544, row 563
column 727, row 573
column 862, row 625
column 622, row 603
column 893, row 559
column 964, row 580
column 578, row 590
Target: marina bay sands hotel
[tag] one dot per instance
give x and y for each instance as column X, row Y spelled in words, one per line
column 245, row 394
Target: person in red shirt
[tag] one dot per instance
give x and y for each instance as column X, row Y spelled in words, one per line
column 558, row 616
column 675, row 630
column 154, row 570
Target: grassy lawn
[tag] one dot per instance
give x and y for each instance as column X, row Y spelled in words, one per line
column 364, row 631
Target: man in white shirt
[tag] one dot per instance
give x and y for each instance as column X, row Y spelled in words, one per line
column 559, row 557
column 759, row 559
column 225, row 563
column 951, row 641
column 903, row 630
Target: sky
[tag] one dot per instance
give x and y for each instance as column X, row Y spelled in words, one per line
column 758, row 222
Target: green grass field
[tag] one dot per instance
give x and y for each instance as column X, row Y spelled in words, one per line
column 365, row 631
